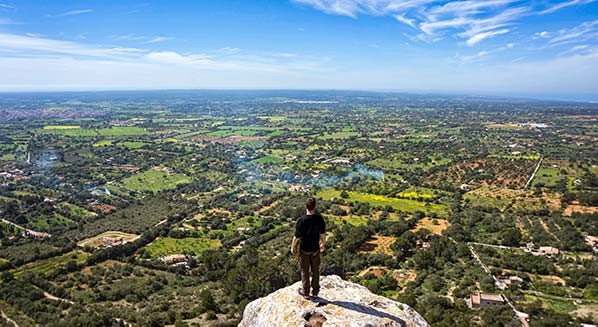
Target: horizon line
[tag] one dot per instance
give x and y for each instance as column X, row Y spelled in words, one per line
column 571, row 97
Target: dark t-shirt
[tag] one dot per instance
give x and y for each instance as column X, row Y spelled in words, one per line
column 308, row 229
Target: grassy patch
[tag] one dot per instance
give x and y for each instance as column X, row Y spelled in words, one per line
column 122, row 131
column 50, row 265
column 44, row 223
column 103, row 143
column 168, row 245
column 560, row 306
column 132, row 145
column 267, row 159
column 154, row 180
column 60, row 127
column 74, row 131
column 382, row 201
column 76, row 210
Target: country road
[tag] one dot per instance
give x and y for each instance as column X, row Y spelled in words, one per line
column 520, row 315
column 534, row 173
column 10, row 321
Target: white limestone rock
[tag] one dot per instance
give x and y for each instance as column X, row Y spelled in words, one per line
column 342, row 303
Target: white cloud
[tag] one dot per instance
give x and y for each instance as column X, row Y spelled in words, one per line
column 7, row 6
column 72, row 13
column 473, row 20
column 171, row 57
column 91, row 66
column 542, row 35
column 39, row 45
column 564, row 4
column 407, row 21
column 574, row 74
column 352, row 8
column 485, row 35
column 141, row 38
column 578, row 49
column 469, row 7
column 159, row 39
column 474, row 57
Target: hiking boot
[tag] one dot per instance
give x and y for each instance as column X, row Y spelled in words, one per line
column 304, row 294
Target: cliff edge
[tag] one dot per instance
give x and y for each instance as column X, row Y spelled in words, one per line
column 340, row 303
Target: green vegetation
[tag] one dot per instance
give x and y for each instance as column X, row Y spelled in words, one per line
column 404, row 205
column 406, row 183
column 154, row 180
column 167, row 245
column 122, row 131
column 51, row 265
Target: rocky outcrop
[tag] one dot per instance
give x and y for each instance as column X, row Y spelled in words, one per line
column 340, row 303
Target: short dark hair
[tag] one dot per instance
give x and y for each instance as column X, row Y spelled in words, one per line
column 310, row 204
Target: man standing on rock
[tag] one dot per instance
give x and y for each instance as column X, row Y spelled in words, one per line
column 311, row 231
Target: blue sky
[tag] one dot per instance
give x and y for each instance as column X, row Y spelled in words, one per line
column 538, row 47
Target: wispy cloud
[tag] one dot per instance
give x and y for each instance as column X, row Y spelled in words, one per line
column 353, row 8
column 8, row 21
column 72, row 13
column 564, row 4
column 473, row 58
column 484, row 35
column 472, row 20
column 30, row 47
column 407, row 21
column 38, row 45
column 142, row 39
column 159, row 39
column 584, row 32
column 542, row 35
column 7, row 6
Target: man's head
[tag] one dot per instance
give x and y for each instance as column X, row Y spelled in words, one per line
column 310, row 204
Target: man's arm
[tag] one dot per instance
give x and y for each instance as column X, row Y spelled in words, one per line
column 322, row 234
column 322, row 242
column 294, row 244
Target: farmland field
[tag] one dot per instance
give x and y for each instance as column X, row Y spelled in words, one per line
column 167, row 246
column 154, row 180
column 436, row 226
column 378, row 244
column 51, row 265
column 382, row 201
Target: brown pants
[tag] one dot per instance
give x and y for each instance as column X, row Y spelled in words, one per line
column 310, row 261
